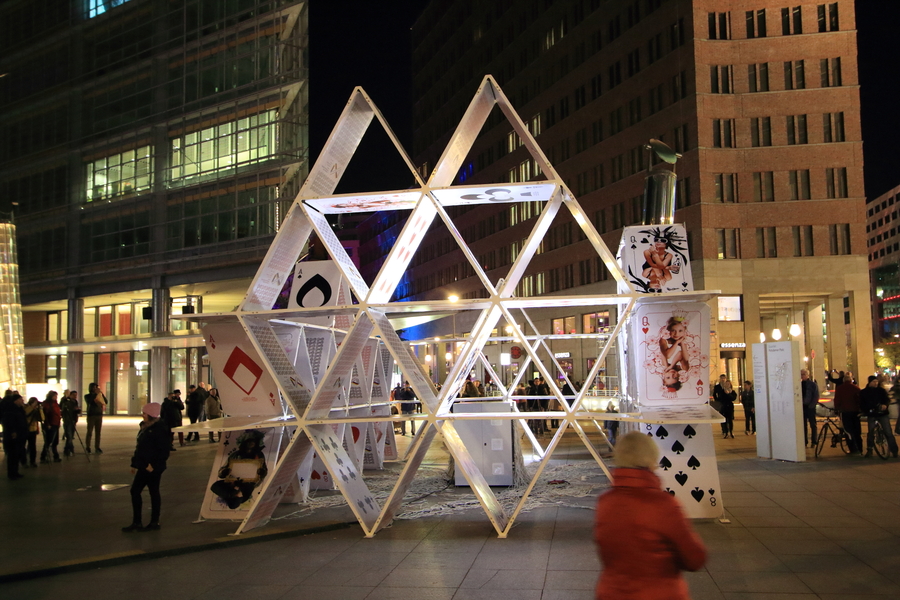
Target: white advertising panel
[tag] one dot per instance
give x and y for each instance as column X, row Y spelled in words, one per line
column 761, row 397
column 785, row 401
column 671, row 347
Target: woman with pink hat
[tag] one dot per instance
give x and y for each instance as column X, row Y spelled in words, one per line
column 147, row 466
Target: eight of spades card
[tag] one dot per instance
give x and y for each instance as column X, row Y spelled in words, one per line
column 688, row 468
column 672, row 346
column 655, row 258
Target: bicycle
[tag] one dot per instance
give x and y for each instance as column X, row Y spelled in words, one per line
column 834, row 428
column 880, row 440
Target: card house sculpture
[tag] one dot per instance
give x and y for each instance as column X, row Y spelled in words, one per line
column 312, row 381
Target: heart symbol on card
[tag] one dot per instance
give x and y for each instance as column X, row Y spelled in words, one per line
column 697, row 493
column 681, row 477
column 665, row 464
column 645, row 329
column 689, row 432
column 355, row 431
column 693, row 463
column 677, row 448
column 662, row 433
column 315, row 475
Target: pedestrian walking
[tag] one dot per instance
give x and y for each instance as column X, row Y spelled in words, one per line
column 35, row 417
column 642, row 536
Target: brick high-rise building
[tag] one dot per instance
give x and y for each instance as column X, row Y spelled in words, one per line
column 760, row 97
column 148, row 151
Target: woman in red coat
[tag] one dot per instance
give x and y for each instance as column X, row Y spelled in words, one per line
column 643, row 538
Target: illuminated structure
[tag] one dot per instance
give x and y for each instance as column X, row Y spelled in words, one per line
column 12, row 354
column 310, row 400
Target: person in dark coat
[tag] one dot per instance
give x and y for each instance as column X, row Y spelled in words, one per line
column 195, row 400
column 15, row 431
column 147, row 466
column 846, row 403
column 874, row 402
column 171, row 415
column 727, row 397
column 748, row 401
column 642, row 536
column 52, row 420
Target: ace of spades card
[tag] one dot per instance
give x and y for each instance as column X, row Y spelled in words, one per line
column 671, row 341
column 688, row 468
column 317, row 283
column 655, row 258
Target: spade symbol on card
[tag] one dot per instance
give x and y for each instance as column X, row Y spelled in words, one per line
column 643, row 240
column 677, row 448
column 681, row 477
column 662, row 433
column 693, row 463
column 712, row 492
column 671, row 491
column 633, row 246
column 684, row 284
column 689, row 432
column 665, row 463
column 697, row 493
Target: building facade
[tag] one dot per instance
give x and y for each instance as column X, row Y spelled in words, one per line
column 759, row 97
column 148, row 150
column 883, row 241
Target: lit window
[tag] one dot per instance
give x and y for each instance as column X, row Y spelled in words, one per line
column 730, row 308
column 225, row 146
column 95, row 8
column 120, row 175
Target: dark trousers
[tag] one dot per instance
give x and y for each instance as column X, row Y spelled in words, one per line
column 750, row 420
column 94, row 425
column 853, row 428
column 143, row 479
column 193, row 434
column 11, row 447
column 51, row 441
column 809, row 423
column 31, row 452
column 69, row 436
column 885, row 421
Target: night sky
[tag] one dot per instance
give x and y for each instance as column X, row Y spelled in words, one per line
column 368, row 44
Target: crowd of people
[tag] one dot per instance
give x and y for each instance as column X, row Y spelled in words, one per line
column 33, row 423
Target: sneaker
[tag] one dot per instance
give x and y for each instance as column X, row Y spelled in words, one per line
column 133, row 527
column 151, row 527
column 98, row 451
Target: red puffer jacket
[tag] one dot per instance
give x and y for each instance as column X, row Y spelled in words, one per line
column 644, row 540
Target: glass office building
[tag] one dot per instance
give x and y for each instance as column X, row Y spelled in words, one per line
column 148, row 151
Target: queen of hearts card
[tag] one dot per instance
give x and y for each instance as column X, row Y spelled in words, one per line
column 672, row 347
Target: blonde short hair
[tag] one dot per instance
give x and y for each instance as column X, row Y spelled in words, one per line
column 637, row 450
